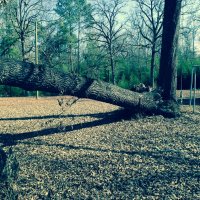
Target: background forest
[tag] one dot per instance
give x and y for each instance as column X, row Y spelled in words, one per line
column 113, row 40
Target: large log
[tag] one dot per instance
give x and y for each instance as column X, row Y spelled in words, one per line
column 40, row 77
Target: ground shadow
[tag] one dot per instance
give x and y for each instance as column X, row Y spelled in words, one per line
column 96, row 115
column 186, row 101
column 160, row 155
column 108, row 118
column 12, row 139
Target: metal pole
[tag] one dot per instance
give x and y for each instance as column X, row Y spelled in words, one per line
column 36, row 51
column 191, row 83
column 195, row 84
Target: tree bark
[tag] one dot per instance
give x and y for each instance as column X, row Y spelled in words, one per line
column 39, row 77
column 112, row 66
column 2, row 160
column 153, row 53
column 78, row 53
column 168, row 72
column 23, row 46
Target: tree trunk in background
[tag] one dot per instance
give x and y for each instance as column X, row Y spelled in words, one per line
column 112, row 63
column 112, row 69
column 78, row 53
column 153, row 54
column 168, row 72
column 70, row 54
column 23, row 46
column 38, row 77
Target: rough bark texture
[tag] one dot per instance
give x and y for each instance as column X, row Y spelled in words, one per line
column 2, row 161
column 167, row 73
column 153, row 53
column 39, row 77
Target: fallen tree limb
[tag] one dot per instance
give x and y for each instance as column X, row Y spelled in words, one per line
column 40, row 77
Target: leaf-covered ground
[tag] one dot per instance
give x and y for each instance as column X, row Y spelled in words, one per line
column 87, row 152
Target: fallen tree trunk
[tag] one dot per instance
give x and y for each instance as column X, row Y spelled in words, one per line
column 39, row 77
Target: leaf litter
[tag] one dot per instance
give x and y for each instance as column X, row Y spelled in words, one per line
column 83, row 151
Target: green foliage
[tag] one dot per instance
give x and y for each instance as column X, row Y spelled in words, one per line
column 94, row 63
column 72, row 11
column 9, row 38
column 10, row 91
column 130, row 73
column 75, row 17
column 134, row 80
column 124, row 83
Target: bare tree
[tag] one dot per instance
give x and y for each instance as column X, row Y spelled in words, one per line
column 188, row 34
column 107, row 29
column 148, row 20
column 189, row 27
column 23, row 14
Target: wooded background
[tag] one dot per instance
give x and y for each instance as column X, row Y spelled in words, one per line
column 112, row 40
